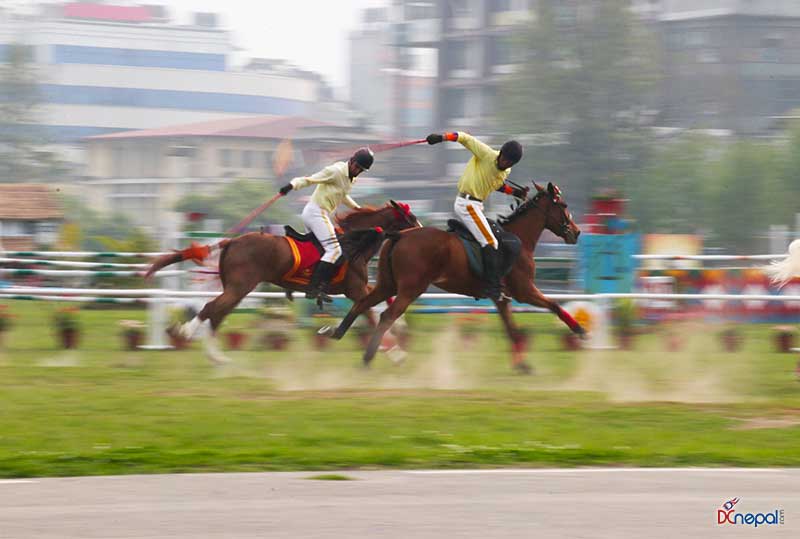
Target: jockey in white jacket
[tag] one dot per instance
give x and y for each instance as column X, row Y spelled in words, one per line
column 333, row 188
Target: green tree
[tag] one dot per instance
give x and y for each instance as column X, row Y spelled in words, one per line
column 235, row 201
column 586, row 83
column 739, row 205
column 23, row 156
column 99, row 232
column 671, row 194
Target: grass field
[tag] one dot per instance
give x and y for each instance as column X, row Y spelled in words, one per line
column 453, row 403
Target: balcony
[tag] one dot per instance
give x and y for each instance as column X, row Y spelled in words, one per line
column 419, row 33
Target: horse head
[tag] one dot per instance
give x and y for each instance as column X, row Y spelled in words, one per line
column 393, row 216
column 403, row 214
column 558, row 219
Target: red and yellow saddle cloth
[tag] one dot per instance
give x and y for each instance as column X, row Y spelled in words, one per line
column 306, row 256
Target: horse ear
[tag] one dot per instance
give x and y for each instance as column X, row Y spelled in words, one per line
column 551, row 188
column 394, row 204
column 537, row 186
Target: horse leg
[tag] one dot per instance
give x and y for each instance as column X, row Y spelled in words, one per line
column 375, row 296
column 516, row 335
column 392, row 313
column 215, row 311
column 533, row 296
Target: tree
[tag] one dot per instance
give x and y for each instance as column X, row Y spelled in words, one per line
column 739, row 195
column 23, row 156
column 235, row 201
column 88, row 229
column 586, row 80
column 667, row 193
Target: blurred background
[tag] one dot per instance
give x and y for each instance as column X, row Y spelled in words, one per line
column 130, row 111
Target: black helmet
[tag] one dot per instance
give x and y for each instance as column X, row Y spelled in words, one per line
column 512, row 150
column 364, row 158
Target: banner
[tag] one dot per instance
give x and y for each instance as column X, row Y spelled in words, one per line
column 606, row 263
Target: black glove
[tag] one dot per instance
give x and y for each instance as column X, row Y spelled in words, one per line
column 521, row 192
column 434, row 138
column 286, row 188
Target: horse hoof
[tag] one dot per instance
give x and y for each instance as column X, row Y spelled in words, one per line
column 523, row 368
column 328, row 331
column 397, row 355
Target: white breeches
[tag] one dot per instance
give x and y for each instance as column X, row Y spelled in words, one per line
column 470, row 212
column 318, row 222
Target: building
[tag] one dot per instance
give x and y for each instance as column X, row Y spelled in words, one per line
column 444, row 62
column 143, row 173
column 109, row 68
column 729, row 64
column 30, row 216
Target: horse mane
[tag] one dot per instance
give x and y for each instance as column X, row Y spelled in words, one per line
column 520, row 210
column 346, row 220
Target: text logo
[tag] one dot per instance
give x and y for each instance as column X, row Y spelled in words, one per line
column 728, row 515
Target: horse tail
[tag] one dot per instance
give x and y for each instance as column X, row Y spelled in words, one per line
column 783, row 271
column 362, row 243
column 195, row 252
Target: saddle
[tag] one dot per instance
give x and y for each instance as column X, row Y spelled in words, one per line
column 307, row 251
column 510, row 246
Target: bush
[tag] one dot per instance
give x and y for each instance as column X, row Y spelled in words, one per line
column 66, row 319
column 5, row 318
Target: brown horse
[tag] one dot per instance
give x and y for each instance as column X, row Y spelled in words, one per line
column 413, row 260
column 249, row 259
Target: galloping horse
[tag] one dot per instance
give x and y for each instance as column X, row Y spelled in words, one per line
column 413, row 260
column 287, row 261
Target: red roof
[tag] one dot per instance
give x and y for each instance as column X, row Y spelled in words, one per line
column 103, row 12
column 277, row 127
column 29, row 201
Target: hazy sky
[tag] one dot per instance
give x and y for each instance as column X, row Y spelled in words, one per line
column 310, row 33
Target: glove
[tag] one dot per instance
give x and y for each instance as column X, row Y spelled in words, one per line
column 286, row 188
column 434, row 138
column 518, row 192
column 521, row 192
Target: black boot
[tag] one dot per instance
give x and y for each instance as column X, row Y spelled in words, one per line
column 492, row 260
column 320, row 280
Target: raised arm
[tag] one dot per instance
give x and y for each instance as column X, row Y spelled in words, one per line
column 323, row 176
column 479, row 149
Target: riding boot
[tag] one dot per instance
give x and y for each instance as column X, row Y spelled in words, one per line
column 492, row 260
column 320, row 280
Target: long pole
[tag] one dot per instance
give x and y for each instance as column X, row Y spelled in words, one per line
column 253, row 214
column 259, row 210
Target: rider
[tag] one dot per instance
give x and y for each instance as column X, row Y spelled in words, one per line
column 333, row 187
column 486, row 171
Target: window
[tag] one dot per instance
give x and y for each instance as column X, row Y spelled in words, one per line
column 420, row 11
column 266, row 160
column 225, row 158
column 771, row 49
column 247, row 159
column 455, row 103
column 17, row 228
column 458, row 55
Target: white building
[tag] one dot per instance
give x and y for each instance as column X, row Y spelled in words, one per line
column 106, row 68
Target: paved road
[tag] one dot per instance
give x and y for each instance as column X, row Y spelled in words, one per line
column 613, row 503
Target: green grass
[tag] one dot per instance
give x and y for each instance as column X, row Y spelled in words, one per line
column 453, row 403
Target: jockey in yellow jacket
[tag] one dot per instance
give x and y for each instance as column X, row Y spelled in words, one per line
column 333, row 188
column 486, row 171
